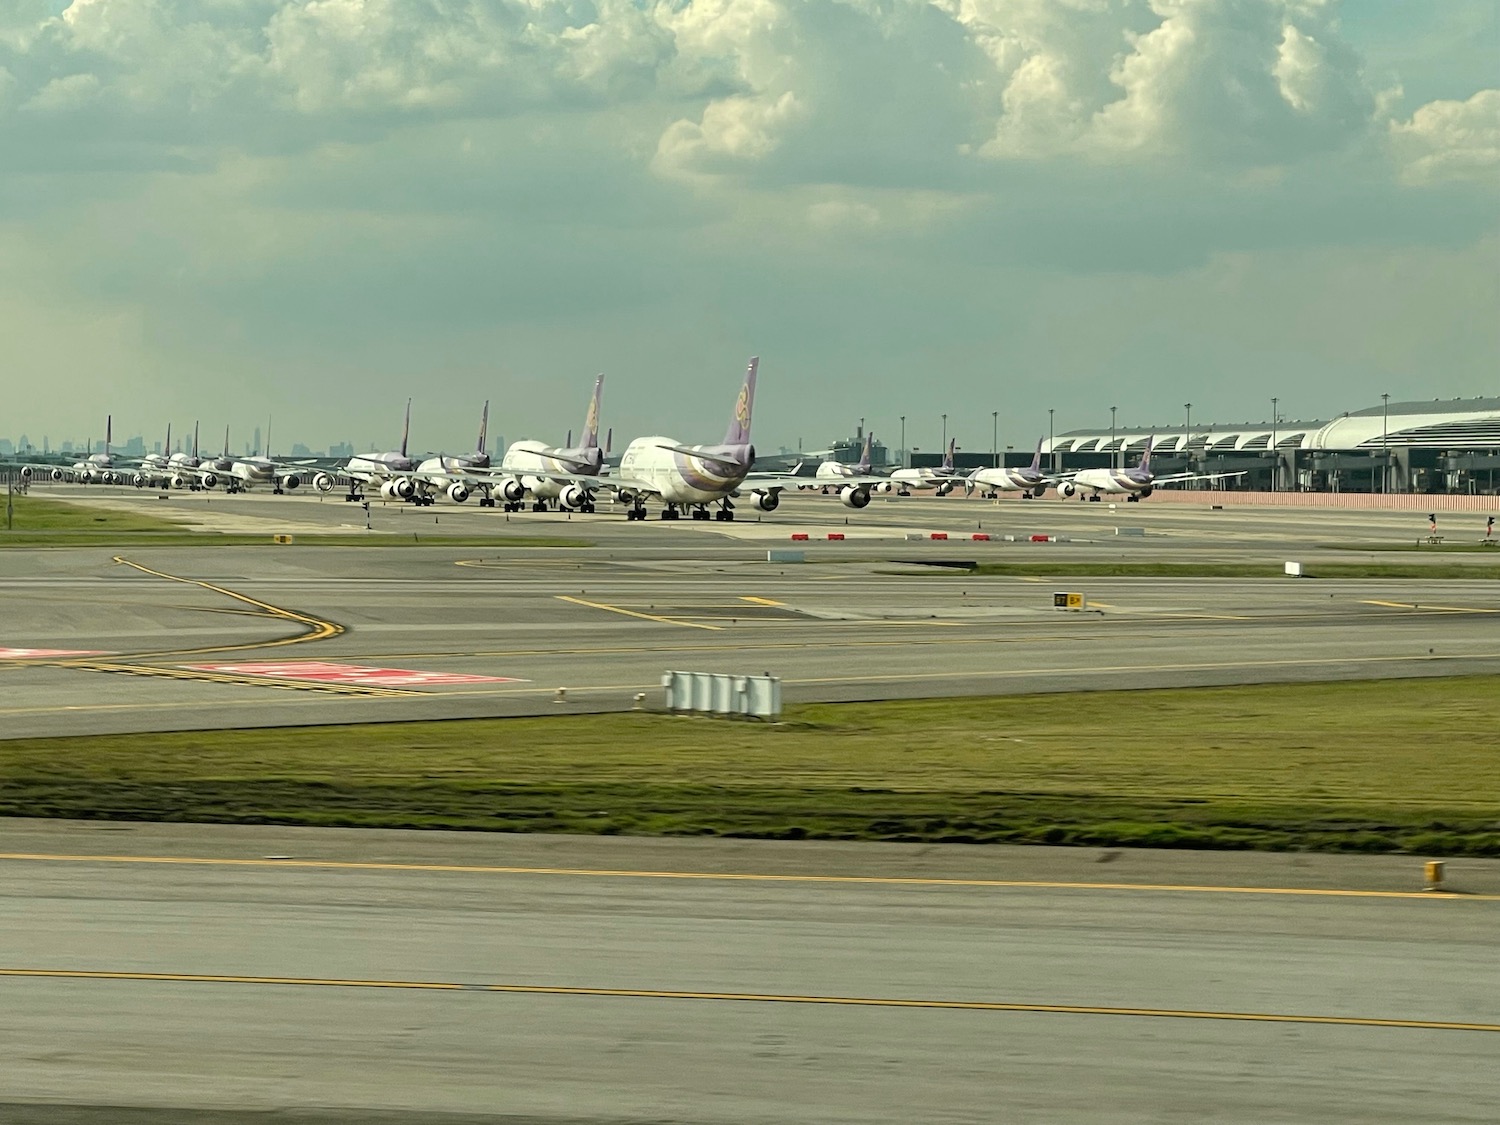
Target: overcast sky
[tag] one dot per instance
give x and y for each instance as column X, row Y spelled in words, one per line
column 228, row 209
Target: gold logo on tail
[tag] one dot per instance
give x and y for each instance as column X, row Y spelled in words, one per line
column 742, row 408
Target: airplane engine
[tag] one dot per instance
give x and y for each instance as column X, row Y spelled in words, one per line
column 178, row 481
column 139, row 480
column 458, row 492
column 945, row 488
column 884, row 487
column 398, row 490
column 512, row 489
column 1067, row 489
column 110, row 478
column 56, row 474
column 26, row 472
column 765, row 501
column 1145, row 492
column 208, row 480
column 853, row 497
column 322, row 482
column 572, row 496
column 291, row 481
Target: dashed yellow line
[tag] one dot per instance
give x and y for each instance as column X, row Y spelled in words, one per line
column 757, row 998
column 760, row 601
column 737, row 876
column 637, row 613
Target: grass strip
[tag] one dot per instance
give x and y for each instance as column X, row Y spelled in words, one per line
column 32, row 515
column 1393, row 766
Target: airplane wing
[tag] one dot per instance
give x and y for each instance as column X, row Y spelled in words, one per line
column 1182, row 478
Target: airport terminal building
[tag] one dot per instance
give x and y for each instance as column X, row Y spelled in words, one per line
column 1448, row 446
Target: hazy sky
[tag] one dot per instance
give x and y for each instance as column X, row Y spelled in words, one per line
column 228, row 209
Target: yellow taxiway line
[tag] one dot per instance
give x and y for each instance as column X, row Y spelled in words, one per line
column 737, row 876
column 757, row 998
column 637, row 613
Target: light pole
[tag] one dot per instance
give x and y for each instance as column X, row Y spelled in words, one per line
column 1114, row 454
column 1051, row 441
column 995, row 437
column 1275, row 453
column 1385, row 443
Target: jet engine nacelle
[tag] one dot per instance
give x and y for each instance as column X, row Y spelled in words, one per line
column 26, row 472
column 322, row 482
column 458, row 492
column 1067, row 489
column 110, row 478
column 854, row 497
column 512, row 489
column 573, row 496
column 945, row 488
column 402, row 489
column 884, row 487
column 766, row 501
column 208, row 480
column 178, row 481
column 1145, row 492
column 56, row 474
column 139, row 480
column 291, row 481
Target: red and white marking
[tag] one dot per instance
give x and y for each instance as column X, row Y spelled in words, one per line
column 357, row 674
column 45, row 653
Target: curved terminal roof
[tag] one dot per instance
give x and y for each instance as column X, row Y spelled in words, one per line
column 1472, row 423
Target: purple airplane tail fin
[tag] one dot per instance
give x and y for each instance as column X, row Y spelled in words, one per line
column 1036, row 458
column 1146, row 455
column 739, row 426
column 864, row 457
column 195, row 441
column 591, row 420
column 947, row 465
column 226, row 443
column 167, row 449
column 484, row 427
column 109, row 425
column 406, row 429
column 609, row 441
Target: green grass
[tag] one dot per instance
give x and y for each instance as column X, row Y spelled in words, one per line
column 1471, row 547
column 50, row 523
column 1394, row 766
column 1225, row 570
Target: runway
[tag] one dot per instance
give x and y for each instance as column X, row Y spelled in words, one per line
column 159, row 638
column 507, row 978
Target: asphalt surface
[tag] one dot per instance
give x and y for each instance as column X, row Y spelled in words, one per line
column 159, row 637
column 618, row 981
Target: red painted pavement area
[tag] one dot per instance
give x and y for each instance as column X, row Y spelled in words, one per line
column 358, row 674
column 42, row 653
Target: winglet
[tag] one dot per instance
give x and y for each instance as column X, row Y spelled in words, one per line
column 739, row 425
column 591, row 420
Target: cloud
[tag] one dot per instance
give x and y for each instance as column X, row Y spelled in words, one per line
column 1450, row 141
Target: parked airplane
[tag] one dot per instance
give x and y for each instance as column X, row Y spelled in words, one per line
column 240, row 473
column 691, row 477
column 851, row 483
column 1029, row 482
column 553, row 473
column 944, row 478
column 393, row 472
column 93, row 467
column 446, row 472
column 1136, row 484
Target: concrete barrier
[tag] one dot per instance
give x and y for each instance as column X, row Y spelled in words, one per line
column 716, row 693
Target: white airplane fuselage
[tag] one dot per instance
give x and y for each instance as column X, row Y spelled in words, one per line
column 920, row 479
column 1115, row 481
column 532, row 463
column 682, row 478
column 1009, row 480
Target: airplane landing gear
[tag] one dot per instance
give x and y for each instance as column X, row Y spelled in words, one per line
column 671, row 512
column 700, row 512
column 726, row 512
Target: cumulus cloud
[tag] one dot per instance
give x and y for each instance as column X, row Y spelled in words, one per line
column 1450, row 141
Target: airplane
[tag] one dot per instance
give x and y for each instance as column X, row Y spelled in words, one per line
column 691, row 477
column 168, row 469
column 239, row 473
column 1136, row 484
column 445, row 473
column 94, row 467
column 1030, row 482
column 944, row 478
column 553, row 473
column 393, row 472
column 853, row 484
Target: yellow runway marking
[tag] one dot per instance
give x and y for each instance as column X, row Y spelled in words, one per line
column 1431, row 608
column 736, row 876
column 636, row 613
column 758, row 998
column 760, row 601
column 317, row 629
